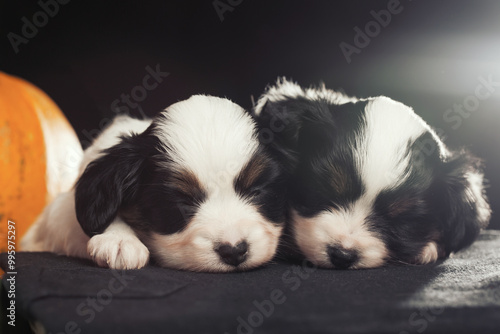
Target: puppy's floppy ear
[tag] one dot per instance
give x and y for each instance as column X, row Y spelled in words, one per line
column 279, row 124
column 299, row 125
column 465, row 209
column 109, row 182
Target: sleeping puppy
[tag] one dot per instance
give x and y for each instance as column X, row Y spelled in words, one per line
column 193, row 187
column 372, row 182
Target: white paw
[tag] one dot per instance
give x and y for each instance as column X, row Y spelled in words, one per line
column 429, row 254
column 118, row 251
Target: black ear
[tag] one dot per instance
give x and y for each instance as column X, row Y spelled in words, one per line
column 465, row 209
column 108, row 183
column 292, row 125
column 300, row 125
column 279, row 125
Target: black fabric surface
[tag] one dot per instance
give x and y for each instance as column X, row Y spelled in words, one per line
column 459, row 295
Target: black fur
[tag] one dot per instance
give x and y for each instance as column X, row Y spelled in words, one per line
column 111, row 182
column 166, row 207
column 136, row 178
column 433, row 204
column 268, row 190
column 317, row 140
column 461, row 223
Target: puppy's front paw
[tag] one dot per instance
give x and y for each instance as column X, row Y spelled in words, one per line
column 118, row 251
column 429, row 254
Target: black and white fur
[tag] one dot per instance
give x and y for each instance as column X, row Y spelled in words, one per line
column 372, row 182
column 193, row 187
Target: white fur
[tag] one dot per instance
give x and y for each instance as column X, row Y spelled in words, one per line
column 57, row 228
column 284, row 90
column 381, row 161
column 121, row 126
column 429, row 254
column 118, row 247
column 225, row 219
column 389, row 127
column 214, row 139
column 344, row 229
column 476, row 195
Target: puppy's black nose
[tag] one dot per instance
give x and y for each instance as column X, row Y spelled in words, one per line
column 342, row 258
column 233, row 255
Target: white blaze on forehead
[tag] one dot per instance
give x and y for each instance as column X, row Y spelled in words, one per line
column 381, row 158
column 382, row 161
column 212, row 137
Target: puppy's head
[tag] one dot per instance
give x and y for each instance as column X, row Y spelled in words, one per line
column 372, row 183
column 197, row 187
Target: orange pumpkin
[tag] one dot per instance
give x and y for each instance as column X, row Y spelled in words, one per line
column 39, row 154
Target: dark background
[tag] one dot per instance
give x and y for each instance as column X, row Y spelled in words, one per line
column 429, row 56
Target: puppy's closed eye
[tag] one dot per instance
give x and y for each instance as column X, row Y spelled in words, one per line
column 370, row 177
column 254, row 177
column 187, row 186
column 155, row 183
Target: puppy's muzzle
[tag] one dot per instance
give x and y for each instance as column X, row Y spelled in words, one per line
column 233, row 255
column 342, row 258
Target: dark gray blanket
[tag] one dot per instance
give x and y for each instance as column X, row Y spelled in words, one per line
column 68, row 295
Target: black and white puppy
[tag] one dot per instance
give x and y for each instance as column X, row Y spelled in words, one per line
column 372, row 182
column 193, row 186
